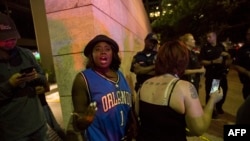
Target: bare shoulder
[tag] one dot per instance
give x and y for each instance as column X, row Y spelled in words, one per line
column 187, row 89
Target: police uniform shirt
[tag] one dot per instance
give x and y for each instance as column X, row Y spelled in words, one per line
column 144, row 59
column 243, row 59
column 210, row 53
column 194, row 63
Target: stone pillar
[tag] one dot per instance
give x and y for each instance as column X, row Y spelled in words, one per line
column 71, row 24
column 42, row 37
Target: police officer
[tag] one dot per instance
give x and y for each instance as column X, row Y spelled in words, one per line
column 143, row 62
column 216, row 59
column 242, row 65
column 194, row 68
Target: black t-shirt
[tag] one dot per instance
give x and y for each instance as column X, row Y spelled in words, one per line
column 243, row 114
column 194, row 63
column 209, row 53
column 243, row 59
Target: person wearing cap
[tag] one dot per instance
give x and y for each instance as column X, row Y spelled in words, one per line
column 21, row 113
column 143, row 62
column 100, row 94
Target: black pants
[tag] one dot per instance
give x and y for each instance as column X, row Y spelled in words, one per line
column 246, row 90
column 223, row 85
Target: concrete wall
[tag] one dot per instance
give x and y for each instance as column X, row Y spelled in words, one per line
column 72, row 23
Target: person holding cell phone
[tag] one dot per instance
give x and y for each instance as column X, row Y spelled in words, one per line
column 169, row 108
column 21, row 114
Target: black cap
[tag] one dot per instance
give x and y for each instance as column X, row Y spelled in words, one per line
column 152, row 37
column 100, row 38
column 8, row 28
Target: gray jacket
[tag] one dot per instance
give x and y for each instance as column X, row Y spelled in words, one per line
column 21, row 113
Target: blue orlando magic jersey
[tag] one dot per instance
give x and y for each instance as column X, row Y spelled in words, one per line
column 113, row 102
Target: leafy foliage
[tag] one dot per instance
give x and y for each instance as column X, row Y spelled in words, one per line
column 198, row 16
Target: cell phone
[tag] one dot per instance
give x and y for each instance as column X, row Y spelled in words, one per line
column 27, row 70
column 215, row 85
